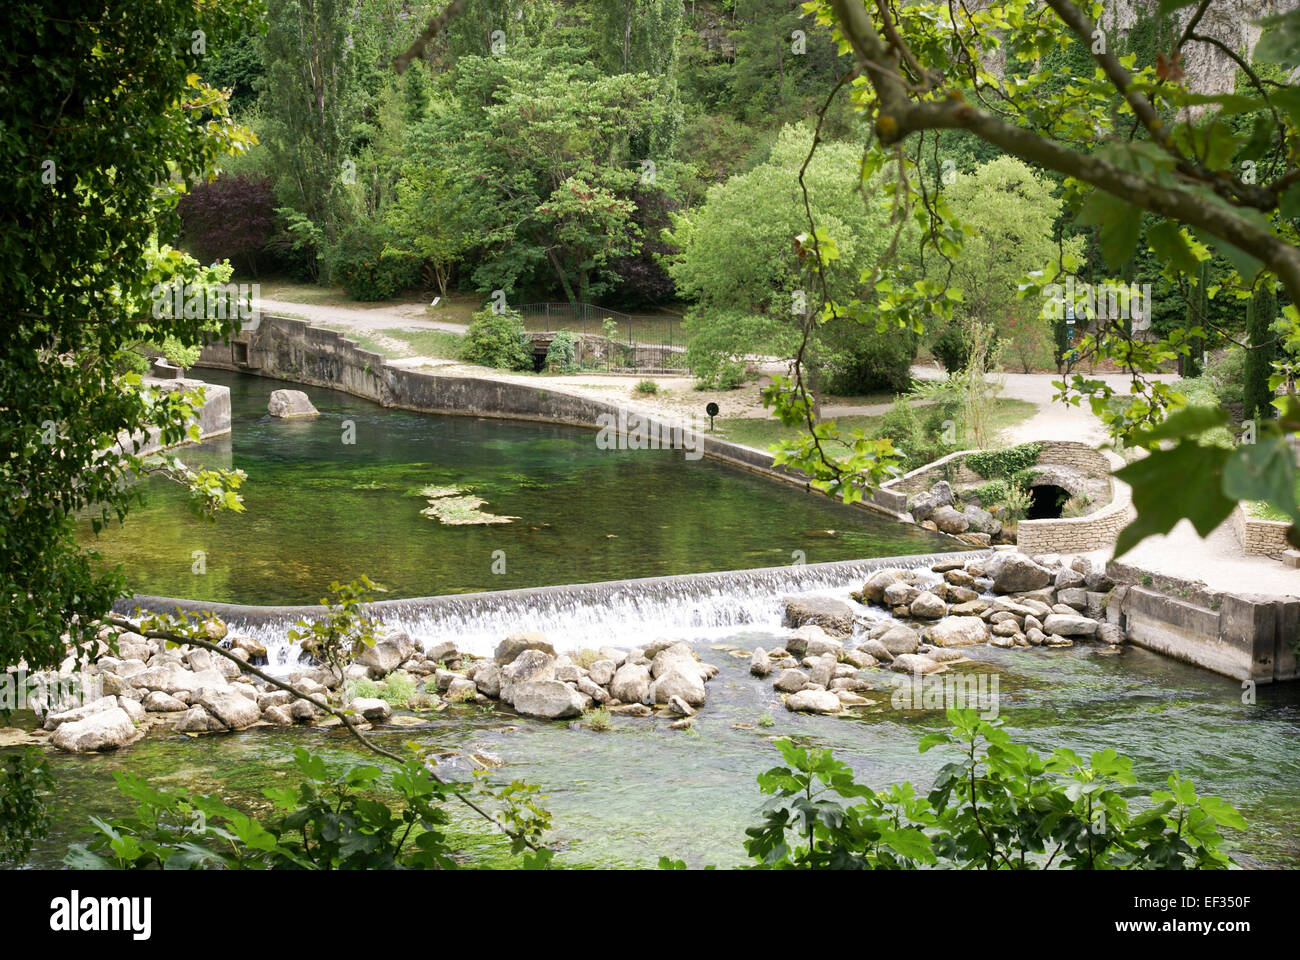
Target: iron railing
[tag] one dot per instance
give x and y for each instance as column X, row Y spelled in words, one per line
column 643, row 343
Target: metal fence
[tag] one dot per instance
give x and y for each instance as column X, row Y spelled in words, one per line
column 644, row 344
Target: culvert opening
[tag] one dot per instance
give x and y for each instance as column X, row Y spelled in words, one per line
column 1046, row 501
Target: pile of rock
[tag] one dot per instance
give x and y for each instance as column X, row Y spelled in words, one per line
column 941, row 509
column 1005, row 600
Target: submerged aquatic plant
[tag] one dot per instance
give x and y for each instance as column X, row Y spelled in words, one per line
column 453, row 506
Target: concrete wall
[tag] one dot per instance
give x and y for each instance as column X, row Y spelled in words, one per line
column 1259, row 537
column 287, row 349
column 1243, row 636
column 213, row 418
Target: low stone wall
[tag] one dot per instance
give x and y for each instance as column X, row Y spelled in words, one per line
column 213, row 418
column 1259, row 537
column 1097, row 530
column 287, row 349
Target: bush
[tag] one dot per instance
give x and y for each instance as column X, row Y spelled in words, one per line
column 863, row 361
column 951, row 349
column 497, row 340
column 647, row 386
column 918, row 440
column 995, row 464
column 561, row 355
column 1228, row 375
column 363, row 263
column 999, row 805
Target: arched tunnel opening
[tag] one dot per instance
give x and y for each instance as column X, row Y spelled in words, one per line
column 1046, row 501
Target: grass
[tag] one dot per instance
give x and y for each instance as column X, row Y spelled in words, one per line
column 598, row 719
column 1262, row 510
column 398, row 344
column 764, row 432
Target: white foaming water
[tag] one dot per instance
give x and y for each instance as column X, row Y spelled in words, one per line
column 621, row 614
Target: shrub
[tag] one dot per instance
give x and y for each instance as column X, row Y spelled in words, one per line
column 497, row 340
column 1228, row 375
column 951, row 349
column 368, row 268
column 999, row 805
column 598, row 719
column 398, row 690
column 995, row 464
column 647, row 386
column 561, row 355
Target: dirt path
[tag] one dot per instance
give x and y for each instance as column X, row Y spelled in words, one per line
column 362, row 318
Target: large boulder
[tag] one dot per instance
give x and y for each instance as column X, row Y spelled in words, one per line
column 289, row 404
column 814, row 701
column 159, row 702
column 959, row 632
column 896, row 641
column 372, row 708
column 873, row 591
column 923, row 505
column 55, row 720
column 678, row 682
column 1066, row 625
column 981, row 521
column 674, row 656
column 548, row 699
column 488, row 679
column 198, row 720
column 602, row 672
column 900, row 594
column 1013, row 572
column 101, row 730
column 950, row 520
column 630, row 683
column 915, row 663
column 530, row 666
column 927, row 606
column 833, row 616
column 509, row 648
column 234, row 710
column 790, row 681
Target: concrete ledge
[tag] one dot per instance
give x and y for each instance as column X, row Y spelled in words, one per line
column 213, row 418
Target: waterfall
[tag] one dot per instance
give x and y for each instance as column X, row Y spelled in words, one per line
column 621, row 613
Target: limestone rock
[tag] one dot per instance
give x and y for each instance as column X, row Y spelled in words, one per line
column 958, row 632
column 290, row 404
column 1065, row 625
column 372, row 708
column 833, row 616
column 233, row 709
column 547, row 699
column 949, row 520
column 814, row 701
column 101, row 730
column 1015, row 573
column 915, row 663
column 510, row 648
column 631, row 683
column 928, row 607
column 790, row 681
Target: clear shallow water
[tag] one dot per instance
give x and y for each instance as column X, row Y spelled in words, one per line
column 320, row 510
column 627, row 796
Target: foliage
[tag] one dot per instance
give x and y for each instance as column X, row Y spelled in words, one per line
column 1261, row 350
column 998, row 806
column 229, row 219
column 331, row 821
column 599, row 719
column 646, row 386
column 363, row 263
column 561, row 355
column 1228, row 374
column 105, row 127
column 497, row 340
column 1004, row 464
column 339, row 637
column 25, row 780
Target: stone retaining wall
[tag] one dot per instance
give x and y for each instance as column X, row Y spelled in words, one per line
column 1259, row 537
column 1097, row 530
column 213, row 418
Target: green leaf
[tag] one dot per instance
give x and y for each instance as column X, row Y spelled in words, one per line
column 1168, row 244
column 1263, row 471
column 1120, row 225
column 1168, row 485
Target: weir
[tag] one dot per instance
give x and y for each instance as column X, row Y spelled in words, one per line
column 619, row 613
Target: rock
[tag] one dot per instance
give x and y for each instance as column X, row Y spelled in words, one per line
column 928, row 607
column 631, row 709
column 980, row 520
column 1035, row 636
column 861, row 659
column 510, row 648
column 530, row 665
column 593, row 690
column 833, row 616
column 1032, row 623
column 684, row 724
column 679, row 682
column 461, row 690
column 823, row 671
column 54, row 720
column 1095, row 605
column 1015, row 573
column 303, row 711
column 814, row 701
column 1075, row 597
column 897, row 641
column 159, row 702
column 134, row 712
column 790, row 681
column 961, row 594
column 488, row 679
column 278, row 715
column 1110, row 633
column 759, row 664
column 1058, row 641
column 198, row 720
column 900, row 594
column 825, row 647
column 943, row 566
column 602, row 672
column 290, row 404
column 1069, row 626
column 388, row 653
column 199, row 659
column 680, row 707
column 969, row 608
column 958, row 632
column 923, row 505
column 101, row 730
column 372, row 708
column 1098, row 582
column 1006, row 628
column 1068, row 577
column 674, row 656
column 233, row 709
column 873, row 590
column 944, row 655
column 442, row 652
column 915, row 663
column 256, row 651
column 548, row 699
column 877, row 649
column 949, row 520
column 566, row 672
column 630, row 684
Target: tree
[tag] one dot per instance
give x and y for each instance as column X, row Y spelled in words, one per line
column 538, row 148
column 1257, row 395
column 229, row 219
column 102, row 134
column 1128, row 139
column 737, row 263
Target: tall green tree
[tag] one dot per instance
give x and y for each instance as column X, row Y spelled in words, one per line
column 1261, row 350
column 106, row 121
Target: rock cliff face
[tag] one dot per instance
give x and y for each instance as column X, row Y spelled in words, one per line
column 1208, row 68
